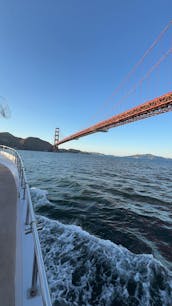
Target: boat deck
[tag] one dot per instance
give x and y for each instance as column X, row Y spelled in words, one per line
column 8, row 215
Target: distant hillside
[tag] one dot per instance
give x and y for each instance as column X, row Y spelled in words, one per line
column 30, row 143
column 37, row 144
column 147, row 157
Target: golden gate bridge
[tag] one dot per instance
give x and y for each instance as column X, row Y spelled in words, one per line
column 153, row 107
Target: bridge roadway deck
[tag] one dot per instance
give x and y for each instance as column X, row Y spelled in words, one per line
column 153, row 107
column 8, row 213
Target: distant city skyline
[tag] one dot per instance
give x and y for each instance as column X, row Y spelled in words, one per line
column 61, row 63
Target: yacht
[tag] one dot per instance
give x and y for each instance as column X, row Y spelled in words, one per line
column 23, row 279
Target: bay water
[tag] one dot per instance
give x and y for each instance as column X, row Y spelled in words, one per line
column 107, row 227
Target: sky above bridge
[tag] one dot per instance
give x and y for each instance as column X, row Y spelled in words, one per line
column 61, row 62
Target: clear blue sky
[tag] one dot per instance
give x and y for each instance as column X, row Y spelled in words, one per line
column 60, row 61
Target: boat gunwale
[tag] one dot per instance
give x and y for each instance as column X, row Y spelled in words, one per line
column 31, row 222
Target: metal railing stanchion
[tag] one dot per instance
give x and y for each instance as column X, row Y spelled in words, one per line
column 34, row 288
column 27, row 220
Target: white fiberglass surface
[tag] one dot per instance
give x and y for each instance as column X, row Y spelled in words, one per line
column 7, row 160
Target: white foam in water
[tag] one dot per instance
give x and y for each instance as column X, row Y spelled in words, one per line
column 39, row 197
column 85, row 270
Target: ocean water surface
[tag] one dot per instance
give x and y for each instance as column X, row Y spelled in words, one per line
column 107, row 234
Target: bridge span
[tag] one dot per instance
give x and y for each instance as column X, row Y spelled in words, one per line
column 153, row 107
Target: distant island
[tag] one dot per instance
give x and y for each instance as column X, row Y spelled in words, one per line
column 37, row 144
column 147, row 157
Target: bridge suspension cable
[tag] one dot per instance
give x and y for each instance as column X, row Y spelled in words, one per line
column 154, row 107
column 140, row 61
column 154, row 66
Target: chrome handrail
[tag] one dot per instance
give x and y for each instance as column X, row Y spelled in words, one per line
column 38, row 264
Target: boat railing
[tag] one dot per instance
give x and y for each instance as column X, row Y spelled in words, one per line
column 38, row 270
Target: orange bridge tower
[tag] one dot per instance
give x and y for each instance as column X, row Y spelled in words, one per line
column 56, row 139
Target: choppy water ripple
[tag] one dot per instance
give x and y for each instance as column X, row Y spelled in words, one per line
column 85, row 270
column 126, row 202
